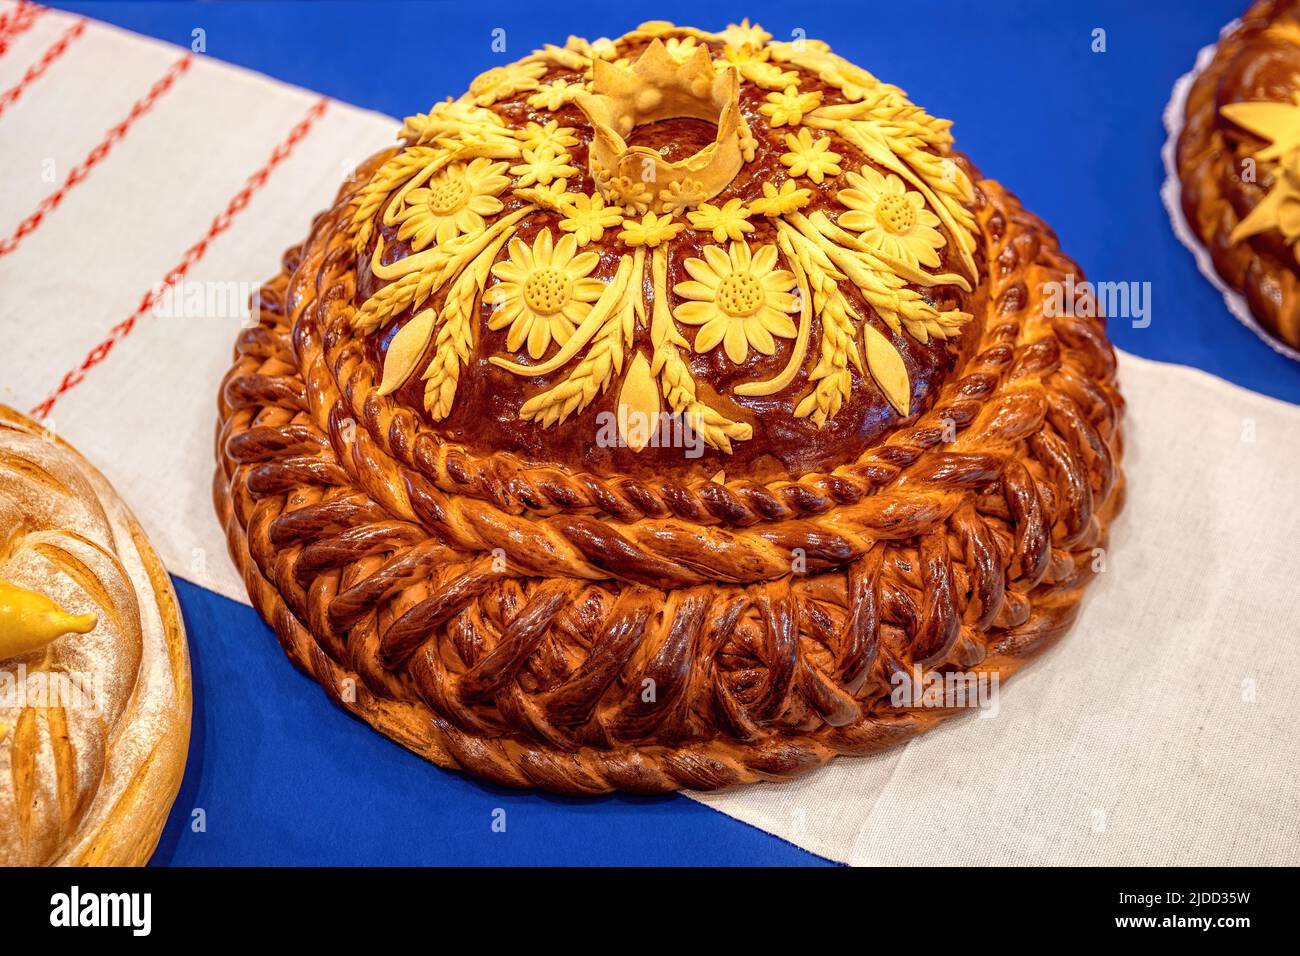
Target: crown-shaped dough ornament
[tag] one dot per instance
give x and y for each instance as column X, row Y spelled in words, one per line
column 642, row 415
column 658, row 87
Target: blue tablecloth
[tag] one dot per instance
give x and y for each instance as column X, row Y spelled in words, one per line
column 281, row 775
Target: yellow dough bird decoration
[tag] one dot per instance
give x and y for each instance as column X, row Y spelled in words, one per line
column 29, row 621
column 94, row 669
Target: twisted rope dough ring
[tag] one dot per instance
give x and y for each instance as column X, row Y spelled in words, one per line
column 540, row 628
column 1215, row 195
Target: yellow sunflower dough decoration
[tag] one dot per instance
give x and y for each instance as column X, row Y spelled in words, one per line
column 890, row 218
column 544, row 292
column 532, row 207
column 737, row 298
column 455, row 202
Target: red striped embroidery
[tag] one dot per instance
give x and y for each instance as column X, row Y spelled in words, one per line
column 192, row 255
column 35, row 71
column 18, row 21
column 102, row 149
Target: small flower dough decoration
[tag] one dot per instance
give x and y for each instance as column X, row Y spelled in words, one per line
column 753, row 63
column 552, row 136
column 744, row 35
column 766, row 75
column 781, row 202
column 730, row 221
column 603, row 48
column 542, row 166
column 554, row 196
column 587, row 217
column 502, row 82
column 814, row 160
column 853, row 81
column 633, row 194
column 681, row 48
column 650, row 231
column 788, row 107
column 681, row 196
column 552, row 96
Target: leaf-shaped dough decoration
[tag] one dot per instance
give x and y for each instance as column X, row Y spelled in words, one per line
column 1279, row 123
column 638, row 404
column 887, row 368
column 405, row 350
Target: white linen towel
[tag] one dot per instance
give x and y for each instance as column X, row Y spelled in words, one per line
column 1161, row 731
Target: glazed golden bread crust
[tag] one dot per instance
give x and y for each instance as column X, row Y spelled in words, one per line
column 484, row 422
column 539, row 625
column 87, row 780
column 973, row 553
column 1253, row 63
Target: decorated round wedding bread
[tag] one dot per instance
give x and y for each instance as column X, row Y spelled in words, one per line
column 1238, row 163
column 646, row 414
column 94, row 668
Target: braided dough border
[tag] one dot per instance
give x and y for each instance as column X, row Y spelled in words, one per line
column 378, row 563
column 1253, row 282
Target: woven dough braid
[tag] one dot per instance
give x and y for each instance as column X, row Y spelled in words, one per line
column 584, row 634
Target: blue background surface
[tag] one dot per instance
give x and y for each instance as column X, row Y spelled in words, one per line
column 282, row 775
